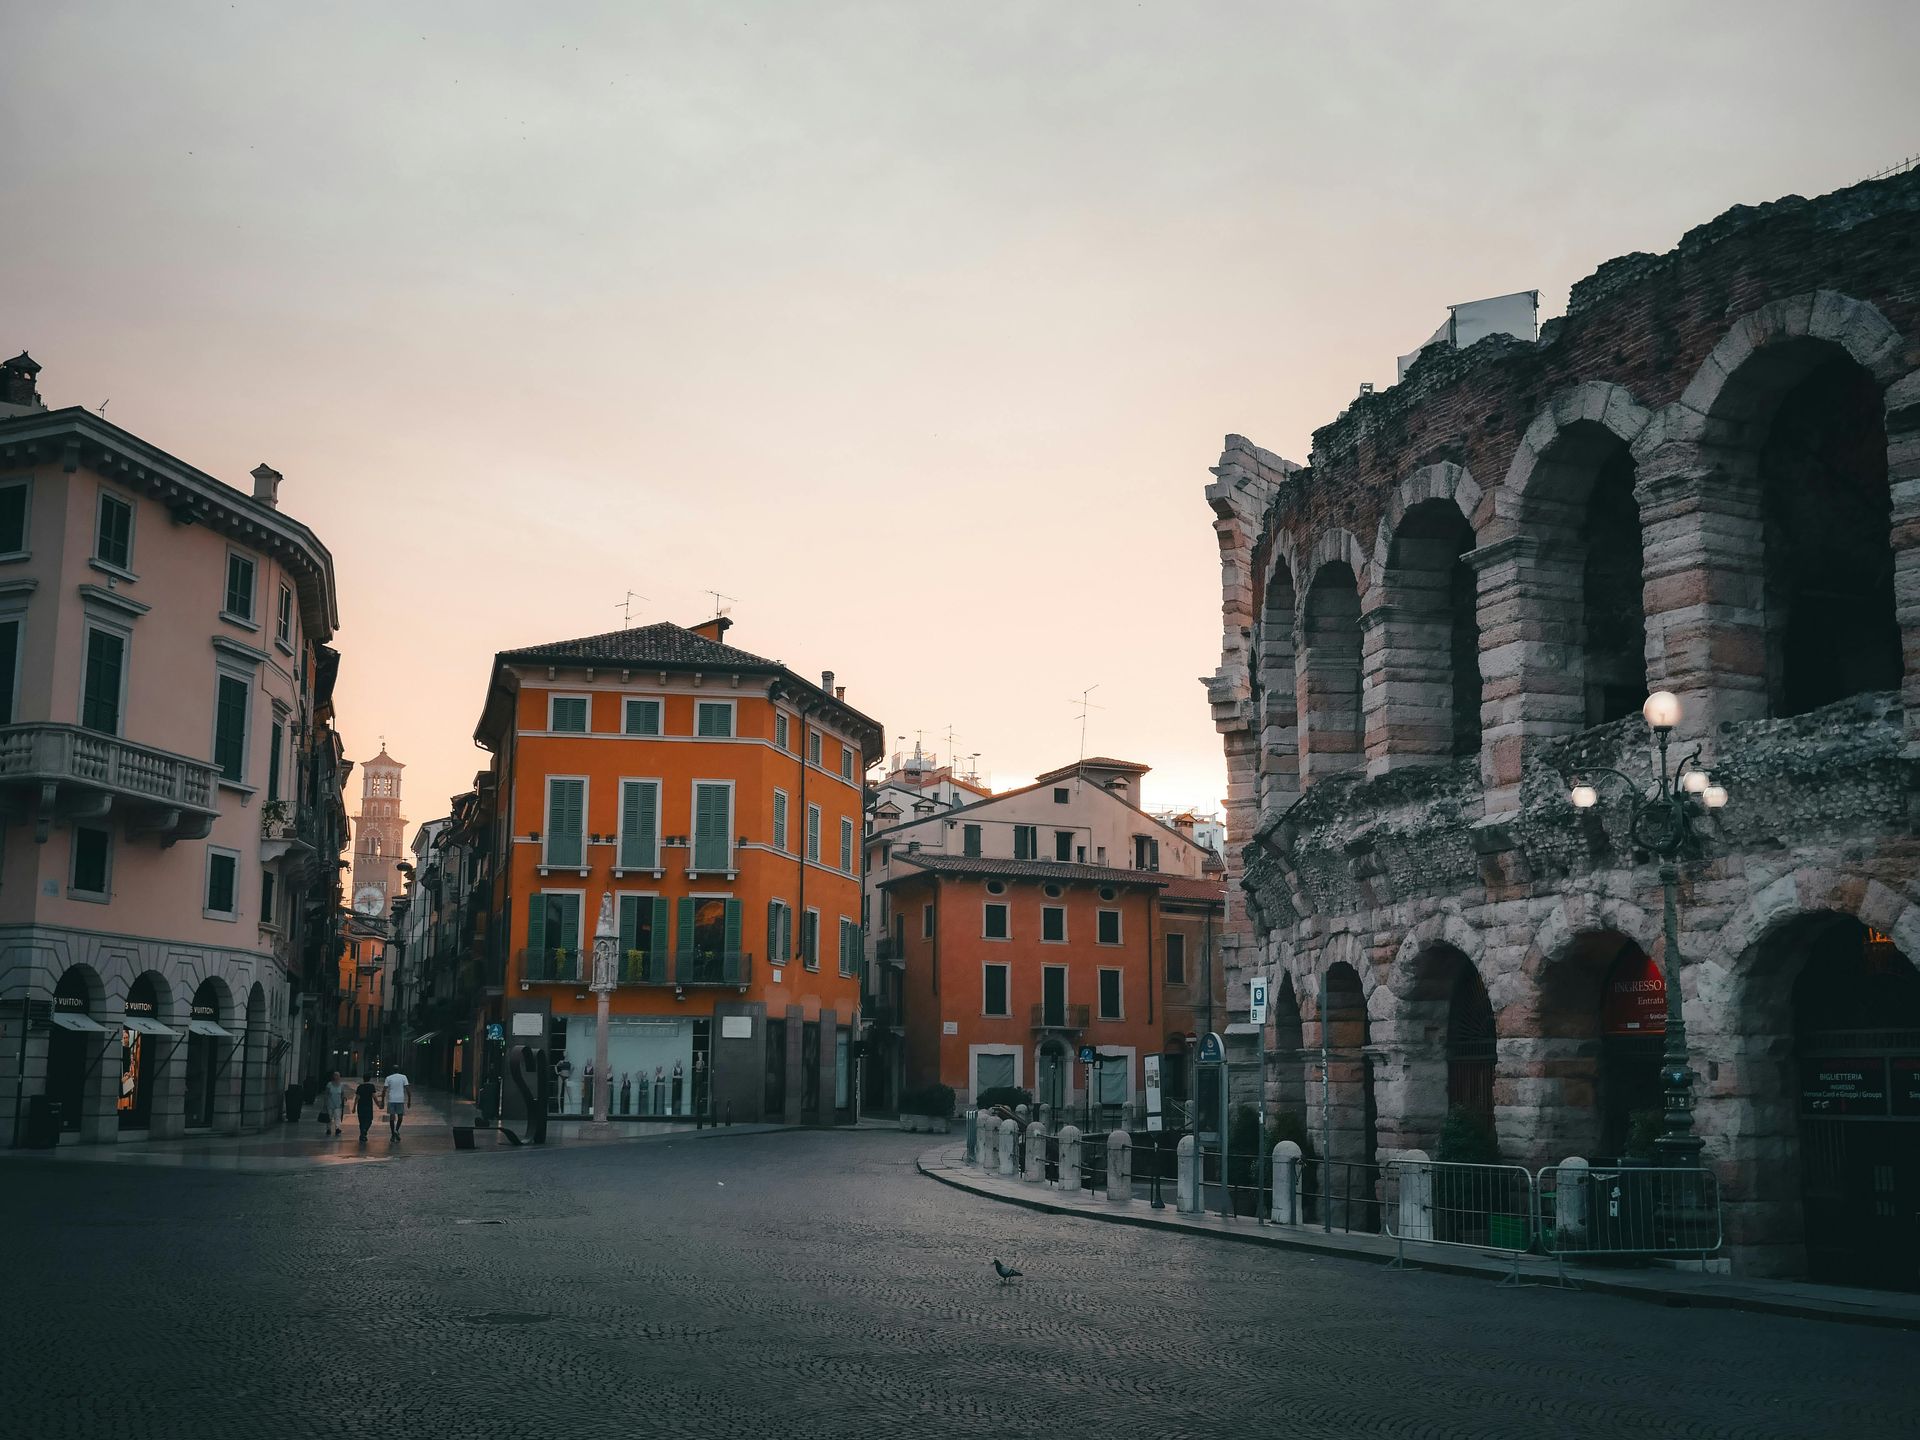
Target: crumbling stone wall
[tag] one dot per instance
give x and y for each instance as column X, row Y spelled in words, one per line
column 1385, row 854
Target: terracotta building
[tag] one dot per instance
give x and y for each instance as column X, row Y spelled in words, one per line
column 1705, row 479
column 715, row 796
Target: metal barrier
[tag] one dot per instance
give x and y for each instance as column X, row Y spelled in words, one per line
column 1481, row 1207
column 1340, row 1195
column 1624, row 1210
column 973, row 1135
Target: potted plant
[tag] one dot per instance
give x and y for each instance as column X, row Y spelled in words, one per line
column 274, row 816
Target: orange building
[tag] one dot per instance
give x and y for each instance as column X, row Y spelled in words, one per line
column 715, row 796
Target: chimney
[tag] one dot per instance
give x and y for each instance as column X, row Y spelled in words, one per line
column 18, row 395
column 714, row 629
column 839, row 692
column 266, row 485
column 826, row 681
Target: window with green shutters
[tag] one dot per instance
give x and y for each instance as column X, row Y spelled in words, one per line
column 642, row 717
column 639, row 824
column 846, row 763
column 810, row 939
column 223, row 873
column 813, row 746
column 113, row 533
column 643, row 940
column 1110, row 995
column 230, row 727
column 813, row 832
column 713, row 718
column 846, row 845
column 567, row 714
column 9, row 669
column 1109, row 927
column 993, row 924
column 275, row 734
column 553, row 936
column 13, row 518
column 269, row 910
column 780, row 821
column 712, row 826
column 239, row 586
column 566, row 841
column 969, row 839
column 780, row 731
column 283, row 621
column 1026, row 842
column 105, row 673
column 91, row 850
column 779, row 932
column 849, row 947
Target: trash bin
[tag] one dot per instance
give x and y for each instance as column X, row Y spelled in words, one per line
column 294, row 1100
column 44, row 1118
column 463, row 1137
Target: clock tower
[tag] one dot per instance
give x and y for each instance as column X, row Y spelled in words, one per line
column 379, row 831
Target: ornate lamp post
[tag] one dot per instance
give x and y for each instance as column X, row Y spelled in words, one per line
column 606, row 936
column 1662, row 822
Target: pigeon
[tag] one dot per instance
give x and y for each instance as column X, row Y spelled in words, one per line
column 1005, row 1272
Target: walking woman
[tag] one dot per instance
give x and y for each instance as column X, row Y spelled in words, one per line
column 333, row 1103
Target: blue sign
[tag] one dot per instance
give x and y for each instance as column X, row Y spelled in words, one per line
column 1086, row 1054
column 496, row 1031
column 1212, row 1051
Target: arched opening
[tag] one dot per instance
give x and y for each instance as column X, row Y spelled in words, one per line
column 1446, row 1048
column 1613, row 616
column 1345, row 1121
column 1595, row 1044
column 1276, row 693
column 1329, row 665
column 146, row 1048
column 1470, row 1048
column 1430, row 706
column 209, row 1052
column 257, row 1092
column 76, row 1047
column 1287, row 1078
column 1831, row 630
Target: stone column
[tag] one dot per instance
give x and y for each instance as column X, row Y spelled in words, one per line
column 99, row 1104
column 1186, row 1185
column 1036, row 1168
column 1287, row 1181
column 1070, row 1159
column 1008, row 1147
column 1406, row 659
column 1903, row 478
column 1120, row 1168
column 1532, row 688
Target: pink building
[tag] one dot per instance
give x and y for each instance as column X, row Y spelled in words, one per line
column 169, row 780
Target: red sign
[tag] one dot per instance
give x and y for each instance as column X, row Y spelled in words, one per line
column 1636, row 999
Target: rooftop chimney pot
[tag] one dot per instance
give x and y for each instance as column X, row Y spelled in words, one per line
column 18, row 393
column 826, row 680
column 266, row 485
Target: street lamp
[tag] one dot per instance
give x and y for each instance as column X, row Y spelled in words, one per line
column 1662, row 822
column 605, row 936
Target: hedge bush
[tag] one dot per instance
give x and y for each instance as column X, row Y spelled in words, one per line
column 935, row 1100
column 1010, row 1096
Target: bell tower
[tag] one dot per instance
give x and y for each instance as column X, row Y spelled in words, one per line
column 379, row 831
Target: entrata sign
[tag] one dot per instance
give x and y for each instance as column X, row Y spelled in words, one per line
column 1636, row 999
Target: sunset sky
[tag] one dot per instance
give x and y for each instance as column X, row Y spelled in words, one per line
column 912, row 328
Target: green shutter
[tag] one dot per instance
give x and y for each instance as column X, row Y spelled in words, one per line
column 639, row 804
column 733, row 927
column 9, row 657
column 536, row 922
column 657, row 945
column 566, row 818
column 711, row 844
column 685, row 947
column 629, row 925
column 230, row 727
column 773, row 930
column 273, row 763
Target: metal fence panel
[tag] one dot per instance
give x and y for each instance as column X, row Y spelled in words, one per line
column 1434, row 1202
column 1628, row 1210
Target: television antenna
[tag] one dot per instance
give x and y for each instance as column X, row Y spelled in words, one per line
column 625, row 607
column 718, row 608
column 1085, row 705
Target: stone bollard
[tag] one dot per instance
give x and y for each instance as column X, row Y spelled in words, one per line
column 1036, row 1171
column 1020, row 1114
column 1186, row 1184
column 1070, row 1159
column 1120, row 1168
column 1414, row 1219
column 1288, row 1178
column 1046, row 1119
column 1009, row 1146
column 1572, row 1204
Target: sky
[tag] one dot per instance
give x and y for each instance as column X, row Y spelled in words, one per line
column 913, row 329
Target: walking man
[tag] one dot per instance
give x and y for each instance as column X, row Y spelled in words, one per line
column 363, row 1097
column 333, row 1103
column 399, row 1096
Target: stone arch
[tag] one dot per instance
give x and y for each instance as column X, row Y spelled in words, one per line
column 1535, row 478
column 212, row 1079
column 1286, row 1074
column 1349, row 1084
column 1328, row 663
column 1434, row 983
column 152, row 1089
column 1276, row 685
column 80, row 1072
column 1443, row 481
column 257, row 1091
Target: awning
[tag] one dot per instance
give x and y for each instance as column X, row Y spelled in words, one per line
column 147, row 1025
column 72, row 1020
column 1243, row 1027
column 426, row 1038
column 209, row 1027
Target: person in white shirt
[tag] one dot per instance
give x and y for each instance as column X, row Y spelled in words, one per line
column 399, row 1096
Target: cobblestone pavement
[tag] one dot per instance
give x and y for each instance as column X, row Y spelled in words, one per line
column 812, row 1284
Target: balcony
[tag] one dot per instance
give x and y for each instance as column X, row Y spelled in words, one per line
column 642, row 967
column 891, row 949
column 1061, row 1017
column 555, row 967
column 61, row 772
column 714, row 967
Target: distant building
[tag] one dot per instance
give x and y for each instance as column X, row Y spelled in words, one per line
column 169, row 768
column 1207, row 831
column 379, row 832
column 1021, row 928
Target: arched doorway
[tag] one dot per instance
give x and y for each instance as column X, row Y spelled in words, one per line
column 209, row 1054
column 1432, row 653
column 1286, row 1075
column 1470, row 1048
column 146, row 1048
column 1276, row 692
column 1633, row 1031
column 1344, row 1125
column 76, row 1046
column 256, row 1089
column 1329, row 714
column 1856, row 1048
column 1591, row 1046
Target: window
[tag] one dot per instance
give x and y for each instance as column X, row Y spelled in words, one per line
column 9, row 667
column 813, row 746
column 810, row 940
column 1053, row 924
column 105, row 681
column 1113, row 1082
column 566, row 823
column 712, row 825
column 813, row 832
column 1109, row 994
column 1063, row 845
column 223, row 874
column 1053, row 892
column 849, row 946
column 231, row 694
column 969, row 839
column 779, row 932
column 926, row 922
column 713, row 718
column 91, row 848
column 780, row 821
column 994, row 990
column 1146, row 853
column 639, row 847
column 553, row 929
column 780, row 730
column 643, row 937
column 283, row 621
column 1108, row 929
column 267, row 897
column 846, row 845
column 13, row 518
column 993, row 924
column 641, row 717
column 846, row 762
column 996, row 887
column 567, row 714
column 992, row 1072
column 275, row 732
column 1026, row 842
column 1176, row 959
column 239, row 604
column 1059, row 794
column 113, row 532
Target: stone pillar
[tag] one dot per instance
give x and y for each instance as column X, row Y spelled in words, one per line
column 1186, row 1184
column 987, row 1143
column 229, row 1074
column 1120, row 1168
column 1287, row 1182
column 1532, row 687
column 1009, row 1146
column 1036, row 1168
column 1413, row 1215
column 1070, row 1159
column 1705, row 584
column 1903, row 478
column 1406, row 658
column 99, row 1105
column 1572, row 1204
